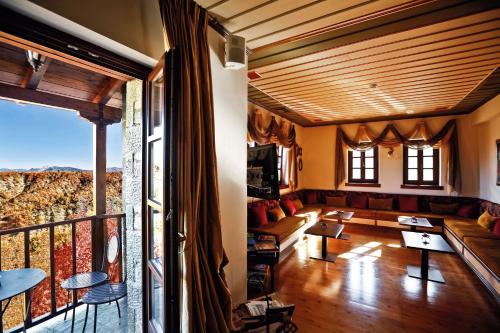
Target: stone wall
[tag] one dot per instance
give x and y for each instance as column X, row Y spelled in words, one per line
column 132, row 189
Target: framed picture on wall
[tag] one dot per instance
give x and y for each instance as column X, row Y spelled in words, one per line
column 498, row 162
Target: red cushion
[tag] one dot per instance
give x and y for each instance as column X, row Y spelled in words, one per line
column 288, row 207
column 311, row 197
column 469, row 211
column 359, row 200
column 257, row 216
column 408, row 203
column 496, row 228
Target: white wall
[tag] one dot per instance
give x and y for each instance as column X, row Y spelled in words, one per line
column 230, row 102
column 486, row 120
column 319, row 158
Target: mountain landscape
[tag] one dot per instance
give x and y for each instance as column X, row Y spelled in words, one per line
column 41, row 196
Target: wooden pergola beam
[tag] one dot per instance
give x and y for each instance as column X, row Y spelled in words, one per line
column 107, row 91
column 86, row 109
column 33, row 78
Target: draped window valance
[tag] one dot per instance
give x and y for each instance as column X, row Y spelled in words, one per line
column 264, row 131
column 418, row 138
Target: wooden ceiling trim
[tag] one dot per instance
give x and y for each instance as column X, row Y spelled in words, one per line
column 217, row 4
column 39, row 97
column 469, row 25
column 365, row 102
column 315, row 82
column 481, row 38
column 411, row 60
column 291, row 11
column 393, row 88
column 339, row 23
column 420, row 16
column 415, row 76
column 252, row 9
column 483, row 92
column 389, row 88
column 401, row 97
column 303, row 24
column 403, row 103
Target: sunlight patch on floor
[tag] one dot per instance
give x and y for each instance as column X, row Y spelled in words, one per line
column 358, row 253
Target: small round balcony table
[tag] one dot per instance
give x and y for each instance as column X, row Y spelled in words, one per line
column 81, row 281
column 15, row 282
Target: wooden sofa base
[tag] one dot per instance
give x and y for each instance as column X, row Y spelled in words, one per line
column 485, row 275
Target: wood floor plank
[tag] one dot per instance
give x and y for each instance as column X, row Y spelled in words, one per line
column 371, row 292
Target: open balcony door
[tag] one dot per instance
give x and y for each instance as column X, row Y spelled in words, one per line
column 161, row 232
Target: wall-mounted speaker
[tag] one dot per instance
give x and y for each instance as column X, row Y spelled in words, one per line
column 235, row 52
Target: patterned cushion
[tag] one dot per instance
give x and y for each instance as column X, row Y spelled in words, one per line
column 276, row 214
column 297, row 203
column 486, row 221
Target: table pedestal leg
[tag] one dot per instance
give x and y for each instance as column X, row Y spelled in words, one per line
column 425, row 272
column 324, row 251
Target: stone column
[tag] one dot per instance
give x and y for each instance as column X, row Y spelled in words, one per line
column 132, row 198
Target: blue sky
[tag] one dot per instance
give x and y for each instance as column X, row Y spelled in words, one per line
column 32, row 136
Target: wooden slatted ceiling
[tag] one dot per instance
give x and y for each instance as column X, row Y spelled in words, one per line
column 427, row 69
column 60, row 78
column 264, row 22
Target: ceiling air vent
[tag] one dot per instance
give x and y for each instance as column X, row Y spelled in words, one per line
column 253, row 75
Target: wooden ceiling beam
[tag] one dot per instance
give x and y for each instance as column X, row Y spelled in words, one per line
column 419, row 16
column 107, row 91
column 86, row 109
column 33, row 78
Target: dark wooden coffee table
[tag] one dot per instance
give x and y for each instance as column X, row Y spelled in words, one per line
column 413, row 223
column 436, row 243
column 325, row 230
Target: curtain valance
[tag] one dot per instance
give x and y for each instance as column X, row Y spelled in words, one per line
column 418, row 138
column 282, row 133
column 265, row 131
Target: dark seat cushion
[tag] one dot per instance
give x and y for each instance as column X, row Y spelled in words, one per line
column 282, row 229
column 487, row 249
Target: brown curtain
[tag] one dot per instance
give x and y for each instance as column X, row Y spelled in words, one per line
column 209, row 301
column 282, row 133
column 447, row 137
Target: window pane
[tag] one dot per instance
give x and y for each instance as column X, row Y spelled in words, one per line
column 369, row 162
column 369, row 153
column 356, row 153
column 429, row 151
column 369, row 174
column 356, row 173
column 428, row 174
column 157, row 302
column 412, row 152
column 412, row 174
column 157, row 236
column 156, row 170
column 156, row 108
column 356, row 162
column 428, row 162
column 412, row 162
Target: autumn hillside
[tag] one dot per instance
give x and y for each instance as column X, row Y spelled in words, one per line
column 28, row 198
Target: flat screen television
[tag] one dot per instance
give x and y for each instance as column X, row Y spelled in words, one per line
column 262, row 172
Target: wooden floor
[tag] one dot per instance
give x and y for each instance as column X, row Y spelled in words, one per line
column 367, row 289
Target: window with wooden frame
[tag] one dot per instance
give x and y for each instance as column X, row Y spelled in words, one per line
column 363, row 166
column 421, row 166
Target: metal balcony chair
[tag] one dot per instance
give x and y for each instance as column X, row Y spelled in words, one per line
column 93, row 279
column 107, row 292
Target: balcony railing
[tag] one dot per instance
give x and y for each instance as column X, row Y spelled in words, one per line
column 61, row 249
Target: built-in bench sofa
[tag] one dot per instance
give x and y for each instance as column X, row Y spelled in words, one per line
column 478, row 247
